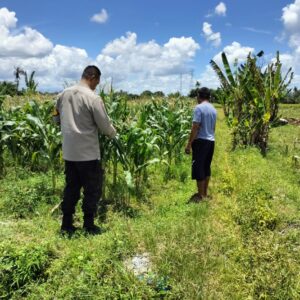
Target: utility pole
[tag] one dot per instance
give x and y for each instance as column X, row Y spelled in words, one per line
column 192, row 79
column 180, row 88
column 111, row 84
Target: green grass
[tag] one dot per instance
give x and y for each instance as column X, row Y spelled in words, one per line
column 244, row 244
column 290, row 110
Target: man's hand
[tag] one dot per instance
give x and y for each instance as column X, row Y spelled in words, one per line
column 188, row 149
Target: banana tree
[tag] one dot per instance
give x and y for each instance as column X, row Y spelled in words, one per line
column 31, row 84
column 250, row 97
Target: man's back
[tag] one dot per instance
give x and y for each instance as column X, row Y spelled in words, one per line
column 206, row 115
column 82, row 113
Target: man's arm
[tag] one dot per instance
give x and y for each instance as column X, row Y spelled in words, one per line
column 102, row 120
column 193, row 134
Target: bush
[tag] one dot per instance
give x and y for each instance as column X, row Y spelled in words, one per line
column 8, row 88
column 23, row 200
column 255, row 211
column 20, row 267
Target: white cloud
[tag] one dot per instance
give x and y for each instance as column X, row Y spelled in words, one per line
column 63, row 63
column 7, row 18
column 252, row 29
column 28, row 43
column 291, row 22
column 209, row 78
column 148, row 65
column 133, row 66
column 102, row 17
column 234, row 52
column 221, row 9
column 212, row 37
column 30, row 50
column 291, row 16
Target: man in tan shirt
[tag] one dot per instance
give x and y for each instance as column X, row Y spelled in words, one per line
column 81, row 114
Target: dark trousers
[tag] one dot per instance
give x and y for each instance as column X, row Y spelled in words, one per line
column 86, row 175
column 203, row 151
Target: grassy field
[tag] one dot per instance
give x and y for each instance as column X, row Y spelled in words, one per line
column 242, row 244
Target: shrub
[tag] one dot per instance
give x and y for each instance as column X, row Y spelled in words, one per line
column 23, row 201
column 255, row 211
column 8, row 88
column 20, row 266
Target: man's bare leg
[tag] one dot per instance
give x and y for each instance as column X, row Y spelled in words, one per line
column 201, row 184
column 206, row 186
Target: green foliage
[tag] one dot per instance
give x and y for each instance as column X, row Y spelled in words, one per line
column 30, row 136
column 255, row 211
column 31, row 84
column 268, row 262
column 8, row 88
column 155, row 131
column 250, row 98
column 146, row 94
column 1, row 134
column 242, row 244
column 227, row 183
column 27, row 199
column 194, row 92
column 175, row 95
column 20, row 266
column 293, row 97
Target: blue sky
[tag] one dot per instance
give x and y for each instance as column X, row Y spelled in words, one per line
column 157, row 45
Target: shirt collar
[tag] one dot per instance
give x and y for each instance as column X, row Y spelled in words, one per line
column 83, row 84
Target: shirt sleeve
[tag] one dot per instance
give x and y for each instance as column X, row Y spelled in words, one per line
column 197, row 115
column 101, row 118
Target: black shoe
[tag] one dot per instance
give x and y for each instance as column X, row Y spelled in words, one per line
column 67, row 226
column 68, row 230
column 94, row 229
column 89, row 226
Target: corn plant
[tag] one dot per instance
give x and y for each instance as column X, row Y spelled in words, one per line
column 1, row 135
column 48, row 136
column 170, row 124
column 250, row 97
column 31, row 137
column 141, row 151
column 135, row 147
column 112, row 153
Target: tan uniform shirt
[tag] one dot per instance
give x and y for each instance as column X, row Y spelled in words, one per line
column 81, row 113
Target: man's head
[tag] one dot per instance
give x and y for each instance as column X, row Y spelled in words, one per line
column 203, row 94
column 91, row 75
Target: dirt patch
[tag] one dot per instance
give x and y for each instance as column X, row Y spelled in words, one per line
column 293, row 121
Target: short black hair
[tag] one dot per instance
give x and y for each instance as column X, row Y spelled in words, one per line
column 203, row 93
column 91, row 72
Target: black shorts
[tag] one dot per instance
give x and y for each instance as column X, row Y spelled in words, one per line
column 203, row 151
